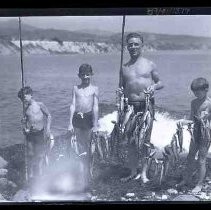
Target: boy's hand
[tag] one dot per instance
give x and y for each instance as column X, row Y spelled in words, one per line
column 95, row 129
column 70, row 128
column 48, row 133
column 25, row 131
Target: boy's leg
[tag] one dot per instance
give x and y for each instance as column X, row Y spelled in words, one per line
column 203, row 151
column 83, row 137
column 193, row 148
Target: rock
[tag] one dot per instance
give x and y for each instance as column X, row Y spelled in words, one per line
column 22, row 196
column 3, row 163
column 172, row 191
column 93, row 198
column 124, row 199
column 130, row 195
column 3, row 172
column 153, row 194
column 2, row 198
column 6, row 185
column 185, row 198
column 202, row 195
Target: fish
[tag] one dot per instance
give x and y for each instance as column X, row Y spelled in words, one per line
column 174, row 147
column 190, row 130
column 127, row 117
column 180, row 135
column 161, row 172
column 156, row 167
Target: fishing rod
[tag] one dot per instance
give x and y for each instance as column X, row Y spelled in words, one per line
column 122, row 50
column 24, row 113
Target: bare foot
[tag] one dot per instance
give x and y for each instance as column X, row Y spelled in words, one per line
column 144, row 179
column 138, row 176
column 197, row 189
column 128, row 178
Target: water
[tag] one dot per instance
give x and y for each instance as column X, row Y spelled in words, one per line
column 52, row 77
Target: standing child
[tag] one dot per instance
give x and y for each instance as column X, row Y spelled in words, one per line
column 84, row 114
column 34, row 124
column 200, row 112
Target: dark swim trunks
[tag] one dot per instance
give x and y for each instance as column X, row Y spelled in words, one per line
column 140, row 106
column 83, row 120
column 37, row 140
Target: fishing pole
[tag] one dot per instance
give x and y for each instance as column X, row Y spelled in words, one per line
column 24, row 113
column 122, row 50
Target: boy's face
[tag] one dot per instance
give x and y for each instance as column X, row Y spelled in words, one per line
column 134, row 46
column 85, row 77
column 27, row 97
column 200, row 94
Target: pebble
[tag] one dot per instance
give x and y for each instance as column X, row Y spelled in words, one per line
column 172, row 191
column 3, row 172
column 21, row 196
column 130, row 194
column 164, row 197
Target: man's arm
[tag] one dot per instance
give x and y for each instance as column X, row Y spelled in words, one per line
column 72, row 110
column 96, row 108
column 158, row 83
column 45, row 111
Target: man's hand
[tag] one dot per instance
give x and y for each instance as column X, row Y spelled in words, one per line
column 204, row 115
column 151, row 90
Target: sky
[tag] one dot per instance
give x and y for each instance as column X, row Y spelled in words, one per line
column 196, row 25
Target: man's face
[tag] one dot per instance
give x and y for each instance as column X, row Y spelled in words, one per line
column 134, row 46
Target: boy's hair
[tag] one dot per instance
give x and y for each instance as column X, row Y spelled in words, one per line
column 85, row 68
column 134, row 35
column 199, row 84
column 24, row 91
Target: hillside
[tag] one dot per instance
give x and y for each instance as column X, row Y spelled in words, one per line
column 37, row 40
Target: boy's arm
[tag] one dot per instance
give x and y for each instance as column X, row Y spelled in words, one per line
column 72, row 110
column 45, row 111
column 96, row 109
column 190, row 120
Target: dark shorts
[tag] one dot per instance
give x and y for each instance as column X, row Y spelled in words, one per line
column 84, row 121
column 139, row 106
column 37, row 143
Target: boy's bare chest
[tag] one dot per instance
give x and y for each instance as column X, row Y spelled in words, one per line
column 87, row 92
column 33, row 111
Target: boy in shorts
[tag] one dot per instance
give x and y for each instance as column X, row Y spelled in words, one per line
column 34, row 122
column 200, row 110
column 84, row 115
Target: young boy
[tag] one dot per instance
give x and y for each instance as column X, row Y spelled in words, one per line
column 84, row 114
column 200, row 110
column 34, row 130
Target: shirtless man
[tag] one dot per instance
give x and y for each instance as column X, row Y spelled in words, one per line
column 34, row 124
column 139, row 74
column 84, row 114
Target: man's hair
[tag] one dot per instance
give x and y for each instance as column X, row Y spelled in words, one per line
column 199, row 84
column 24, row 91
column 85, row 68
column 134, row 35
